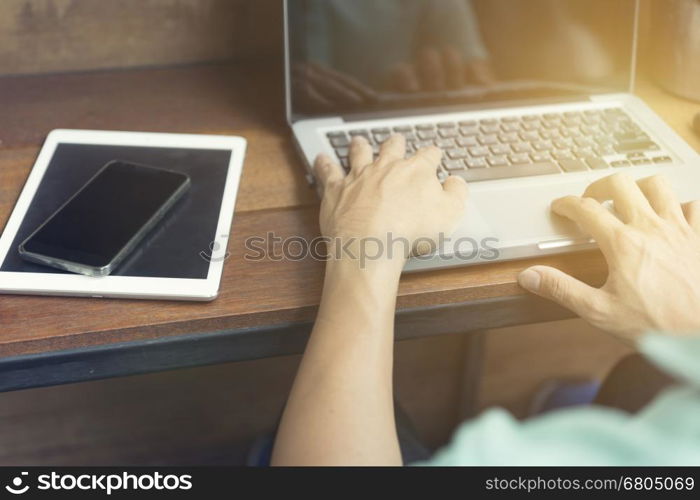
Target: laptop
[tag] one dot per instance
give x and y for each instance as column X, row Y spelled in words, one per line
column 530, row 100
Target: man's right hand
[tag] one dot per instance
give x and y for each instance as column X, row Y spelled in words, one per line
column 653, row 254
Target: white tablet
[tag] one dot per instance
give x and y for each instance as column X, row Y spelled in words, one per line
column 181, row 259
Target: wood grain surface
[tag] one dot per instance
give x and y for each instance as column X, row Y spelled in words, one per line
column 241, row 99
column 44, row 36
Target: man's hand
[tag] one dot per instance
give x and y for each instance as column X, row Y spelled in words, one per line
column 341, row 408
column 392, row 196
column 653, row 256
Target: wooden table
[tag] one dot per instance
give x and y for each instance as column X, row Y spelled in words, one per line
column 265, row 308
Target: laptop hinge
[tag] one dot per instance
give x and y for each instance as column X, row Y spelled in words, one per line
column 402, row 113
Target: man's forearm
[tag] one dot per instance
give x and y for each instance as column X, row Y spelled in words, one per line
column 340, row 410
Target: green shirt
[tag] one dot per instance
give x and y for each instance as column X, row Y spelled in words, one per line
column 666, row 432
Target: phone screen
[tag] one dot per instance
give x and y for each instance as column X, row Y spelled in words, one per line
column 99, row 221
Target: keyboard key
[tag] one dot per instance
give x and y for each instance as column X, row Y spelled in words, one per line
column 333, row 135
column 550, row 134
column 486, row 174
column 603, row 140
column 510, row 127
column 487, row 140
column 445, row 143
column 342, row 152
column 596, row 163
column 627, row 147
column 620, row 163
column 381, row 138
column 488, row 121
column 345, row 163
column 457, row 153
column 509, row 138
column 452, row 165
column 641, row 161
column 562, row 144
column 562, row 155
column 542, row 146
column 403, row 129
column 500, row 149
column 425, row 126
column 490, row 129
column 609, row 120
column 584, row 153
column 478, row 151
column 521, row 148
column 589, row 131
column 510, row 119
column 497, row 161
column 663, row 159
column 572, row 165
column 382, row 130
column 572, row 122
column 475, row 163
column 626, row 136
column 448, row 132
column 447, row 125
column 569, row 133
column 340, row 141
column 519, row 159
column 531, row 126
column 606, row 129
column 540, row 157
column 605, row 151
column 530, row 136
column 531, row 118
column 469, row 131
column 423, row 144
column 583, row 142
column 614, row 112
column 362, row 132
column 468, row 123
column 425, row 135
column 466, row 142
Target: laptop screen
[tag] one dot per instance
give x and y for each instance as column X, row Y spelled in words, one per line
column 367, row 56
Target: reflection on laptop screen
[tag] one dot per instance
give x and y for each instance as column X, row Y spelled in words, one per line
column 364, row 56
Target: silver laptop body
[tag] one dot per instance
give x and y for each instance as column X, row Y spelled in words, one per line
column 520, row 141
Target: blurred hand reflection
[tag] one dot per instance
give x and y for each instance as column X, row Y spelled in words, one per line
column 368, row 51
column 432, row 70
column 436, row 69
column 320, row 88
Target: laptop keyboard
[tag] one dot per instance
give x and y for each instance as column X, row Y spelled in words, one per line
column 522, row 146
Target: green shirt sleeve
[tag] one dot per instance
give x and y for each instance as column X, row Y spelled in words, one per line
column 666, row 432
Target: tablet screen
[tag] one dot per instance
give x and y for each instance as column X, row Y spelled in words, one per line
column 175, row 248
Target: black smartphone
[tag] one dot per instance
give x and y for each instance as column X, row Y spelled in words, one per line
column 105, row 220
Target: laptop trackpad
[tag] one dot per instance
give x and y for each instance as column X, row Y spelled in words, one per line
column 521, row 215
